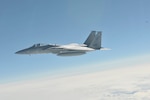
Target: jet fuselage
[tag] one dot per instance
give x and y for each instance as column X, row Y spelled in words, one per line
column 63, row 50
column 93, row 42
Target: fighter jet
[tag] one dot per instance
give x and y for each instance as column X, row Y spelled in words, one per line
column 92, row 43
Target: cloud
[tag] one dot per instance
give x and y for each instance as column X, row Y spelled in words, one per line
column 131, row 83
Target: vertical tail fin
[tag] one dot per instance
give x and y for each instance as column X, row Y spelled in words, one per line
column 90, row 38
column 96, row 42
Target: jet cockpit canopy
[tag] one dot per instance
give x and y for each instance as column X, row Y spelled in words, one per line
column 38, row 45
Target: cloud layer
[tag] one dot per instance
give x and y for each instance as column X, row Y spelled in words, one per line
column 131, row 83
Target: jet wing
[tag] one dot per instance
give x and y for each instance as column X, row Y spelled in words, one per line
column 70, row 50
column 74, row 48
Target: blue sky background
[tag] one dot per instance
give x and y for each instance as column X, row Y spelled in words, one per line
column 125, row 25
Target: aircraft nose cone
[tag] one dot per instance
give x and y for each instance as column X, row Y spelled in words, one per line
column 18, row 52
column 21, row 52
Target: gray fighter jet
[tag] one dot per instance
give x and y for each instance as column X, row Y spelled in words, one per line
column 93, row 42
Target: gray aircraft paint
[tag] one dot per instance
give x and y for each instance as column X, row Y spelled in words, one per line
column 93, row 42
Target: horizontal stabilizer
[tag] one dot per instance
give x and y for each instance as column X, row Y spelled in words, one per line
column 104, row 48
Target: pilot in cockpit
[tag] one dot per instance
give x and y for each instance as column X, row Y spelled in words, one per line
column 37, row 45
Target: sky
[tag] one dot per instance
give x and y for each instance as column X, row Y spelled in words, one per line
column 125, row 25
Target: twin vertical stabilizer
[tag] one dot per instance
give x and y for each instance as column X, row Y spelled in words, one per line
column 94, row 40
